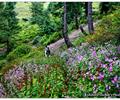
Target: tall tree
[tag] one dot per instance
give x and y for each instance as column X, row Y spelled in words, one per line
column 65, row 35
column 43, row 18
column 90, row 19
column 76, row 14
column 9, row 26
column 86, row 9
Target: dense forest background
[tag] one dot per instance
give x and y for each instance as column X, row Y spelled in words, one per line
column 84, row 40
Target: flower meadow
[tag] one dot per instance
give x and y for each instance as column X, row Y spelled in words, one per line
column 96, row 70
column 88, row 71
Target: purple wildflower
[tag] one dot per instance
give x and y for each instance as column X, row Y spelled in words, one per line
column 94, row 54
column 101, row 76
column 102, row 51
column 79, row 57
column 110, row 69
column 103, row 65
column 115, row 79
column 92, row 77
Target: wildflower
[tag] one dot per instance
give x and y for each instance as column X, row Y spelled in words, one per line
column 110, row 69
column 102, row 51
column 92, row 78
column 101, row 76
column 104, row 65
column 94, row 54
column 115, row 79
column 79, row 57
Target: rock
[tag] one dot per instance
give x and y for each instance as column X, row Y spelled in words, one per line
column 64, row 55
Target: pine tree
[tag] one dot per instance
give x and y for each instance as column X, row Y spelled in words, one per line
column 9, row 24
column 65, row 35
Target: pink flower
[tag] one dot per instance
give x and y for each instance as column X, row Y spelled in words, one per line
column 110, row 69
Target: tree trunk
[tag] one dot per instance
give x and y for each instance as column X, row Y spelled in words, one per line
column 83, row 31
column 90, row 20
column 86, row 8
column 65, row 35
column 76, row 15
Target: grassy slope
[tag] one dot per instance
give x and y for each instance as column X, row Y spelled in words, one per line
column 23, row 9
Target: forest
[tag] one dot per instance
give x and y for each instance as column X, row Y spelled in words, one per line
column 59, row 49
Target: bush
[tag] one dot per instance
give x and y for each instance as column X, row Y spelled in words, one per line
column 28, row 32
column 44, row 39
column 107, row 29
column 78, row 41
column 19, row 52
column 54, row 37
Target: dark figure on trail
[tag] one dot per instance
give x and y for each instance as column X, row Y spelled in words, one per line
column 47, row 51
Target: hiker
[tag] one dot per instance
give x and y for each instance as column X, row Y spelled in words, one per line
column 47, row 51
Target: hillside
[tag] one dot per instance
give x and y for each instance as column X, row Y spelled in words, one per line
column 51, row 56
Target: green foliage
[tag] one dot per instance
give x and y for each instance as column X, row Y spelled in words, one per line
column 18, row 52
column 28, row 32
column 44, row 39
column 78, row 41
column 107, row 29
column 22, row 9
column 8, row 24
column 49, row 83
column 54, row 37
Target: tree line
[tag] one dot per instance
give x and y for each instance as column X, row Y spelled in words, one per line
column 57, row 17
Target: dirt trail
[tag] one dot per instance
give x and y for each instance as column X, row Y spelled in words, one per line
column 75, row 34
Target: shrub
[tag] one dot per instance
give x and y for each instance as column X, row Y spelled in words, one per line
column 44, row 39
column 107, row 29
column 28, row 32
column 54, row 37
column 78, row 41
column 19, row 52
